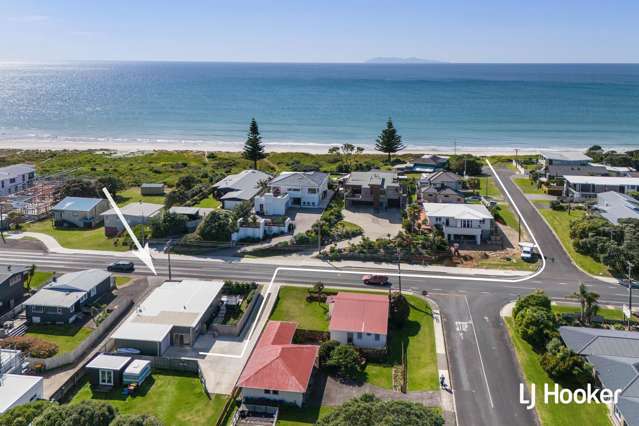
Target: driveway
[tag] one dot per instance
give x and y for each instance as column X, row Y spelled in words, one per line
column 375, row 224
column 304, row 218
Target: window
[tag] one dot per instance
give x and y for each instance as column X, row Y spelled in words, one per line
column 359, row 335
column 37, row 309
column 377, row 337
column 466, row 223
column 293, row 189
column 106, row 377
column 276, row 392
column 267, row 391
column 93, row 291
column 72, row 308
column 312, row 190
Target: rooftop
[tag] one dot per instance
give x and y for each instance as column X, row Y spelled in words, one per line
column 136, row 366
column 242, row 186
column 109, row 362
column 7, row 271
column 137, row 209
column 614, row 206
column 68, row 288
column 576, row 170
column 77, row 204
column 276, row 363
column 361, row 313
column 14, row 387
column 373, row 177
column 603, row 180
column 15, row 170
column 440, row 177
column 300, row 178
column 152, row 185
column 565, row 156
column 457, row 211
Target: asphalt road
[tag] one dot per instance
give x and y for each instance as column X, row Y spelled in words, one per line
column 484, row 371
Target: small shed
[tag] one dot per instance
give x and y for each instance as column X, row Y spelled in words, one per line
column 107, row 370
column 137, row 372
column 152, row 189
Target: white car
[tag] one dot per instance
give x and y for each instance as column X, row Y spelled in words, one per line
column 527, row 251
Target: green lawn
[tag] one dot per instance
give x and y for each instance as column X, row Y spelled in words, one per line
column 418, row 336
column 40, row 278
column 560, row 223
column 87, row 239
column 133, row 195
column 515, row 263
column 553, row 414
column 175, row 399
column 210, row 202
column 489, row 187
column 293, row 416
column 120, row 281
column 606, row 313
column 507, row 215
column 67, row 337
column 527, row 186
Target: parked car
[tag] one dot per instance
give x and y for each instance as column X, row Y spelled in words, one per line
column 375, row 279
column 121, row 266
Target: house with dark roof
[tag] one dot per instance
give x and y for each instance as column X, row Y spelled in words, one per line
column 278, row 370
column 61, row 301
column 580, row 188
column 440, row 194
column 441, row 179
column 614, row 356
column 12, row 279
column 572, row 158
column 238, row 188
column 79, row 212
column 431, row 161
column 375, row 188
column 359, row 319
column 293, row 189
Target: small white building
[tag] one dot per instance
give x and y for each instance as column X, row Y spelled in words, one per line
column 261, row 228
column 79, row 212
column 15, row 178
column 359, row 319
column 460, row 222
column 16, row 389
column 304, row 189
column 134, row 213
column 272, row 203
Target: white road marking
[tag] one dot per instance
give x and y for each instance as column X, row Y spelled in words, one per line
column 481, row 359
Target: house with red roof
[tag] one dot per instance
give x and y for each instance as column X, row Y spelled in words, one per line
column 278, row 370
column 359, row 319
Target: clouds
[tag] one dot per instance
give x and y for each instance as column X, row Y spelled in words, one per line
column 28, row 19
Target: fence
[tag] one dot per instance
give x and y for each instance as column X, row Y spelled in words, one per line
column 186, row 365
column 98, row 334
column 12, row 314
column 236, row 329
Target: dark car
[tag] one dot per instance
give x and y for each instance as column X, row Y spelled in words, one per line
column 375, row 279
column 121, row 266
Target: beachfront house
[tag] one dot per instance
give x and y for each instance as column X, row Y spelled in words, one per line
column 18, row 389
column 359, row 319
column 430, row 163
column 277, row 369
column 584, row 187
column 12, row 279
column 293, row 189
column 62, row 300
column 134, row 214
column 375, row 188
column 441, row 179
column 613, row 206
column 460, row 222
column 79, row 212
column 614, row 356
column 440, row 194
column 174, row 314
column 563, row 158
column 240, row 187
column 15, row 178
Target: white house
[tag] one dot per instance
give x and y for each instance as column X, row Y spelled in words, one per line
column 565, row 158
column 613, row 206
column 240, row 187
column 16, row 389
column 262, row 227
column 15, row 178
column 359, row 319
column 79, row 212
column 277, row 369
column 298, row 189
column 460, row 221
column 134, row 213
column 584, row 187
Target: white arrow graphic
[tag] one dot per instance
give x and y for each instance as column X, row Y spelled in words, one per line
column 143, row 253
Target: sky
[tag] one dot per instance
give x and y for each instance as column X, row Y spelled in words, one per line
column 320, row 30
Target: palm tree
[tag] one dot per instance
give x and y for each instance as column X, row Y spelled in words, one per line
column 587, row 301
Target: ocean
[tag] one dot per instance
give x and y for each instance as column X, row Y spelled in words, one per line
column 300, row 106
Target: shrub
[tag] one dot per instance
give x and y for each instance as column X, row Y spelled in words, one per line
column 556, row 205
column 84, row 413
column 399, row 309
column 34, row 347
column 23, row 415
column 564, row 366
column 535, row 299
column 326, row 350
column 168, row 224
column 136, row 420
column 536, row 326
column 346, row 362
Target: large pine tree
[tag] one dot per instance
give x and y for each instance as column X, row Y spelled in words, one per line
column 389, row 141
column 253, row 147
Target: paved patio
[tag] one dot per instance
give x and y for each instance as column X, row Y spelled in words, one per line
column 375, row 224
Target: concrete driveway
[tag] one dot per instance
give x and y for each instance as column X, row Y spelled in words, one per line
column 375, row 224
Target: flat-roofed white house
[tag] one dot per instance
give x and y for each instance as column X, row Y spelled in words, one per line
column 584, row 187
column 16, row 389
column 613, row 206
column 79, row 212
column 293, row 189
column 173, row 314
column 460, row 222
column 15, row 178
column 359, row 319
column 134, row 213
column 241, row 187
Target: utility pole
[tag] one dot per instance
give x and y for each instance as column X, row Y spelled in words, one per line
column 399, row 269
column 629, row 293
column 168, row 252
column 519, row 226
column 319, row 236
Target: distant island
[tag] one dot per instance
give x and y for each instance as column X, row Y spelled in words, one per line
column 395, row 60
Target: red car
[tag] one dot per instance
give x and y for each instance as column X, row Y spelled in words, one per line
column 375, row 279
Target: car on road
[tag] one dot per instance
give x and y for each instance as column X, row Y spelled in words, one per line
column 121, row 266
column 375, row 280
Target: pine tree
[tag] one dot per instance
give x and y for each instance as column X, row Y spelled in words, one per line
column 253, row 148
column 389, row 141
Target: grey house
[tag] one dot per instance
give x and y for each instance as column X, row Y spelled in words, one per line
column 442, row 179
column 12, row 280
column 79, row 212
column 375, row 188
column 62, row 300
column 614, row 356
column 107, row 371
column 243, row 186
column 613, row 206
